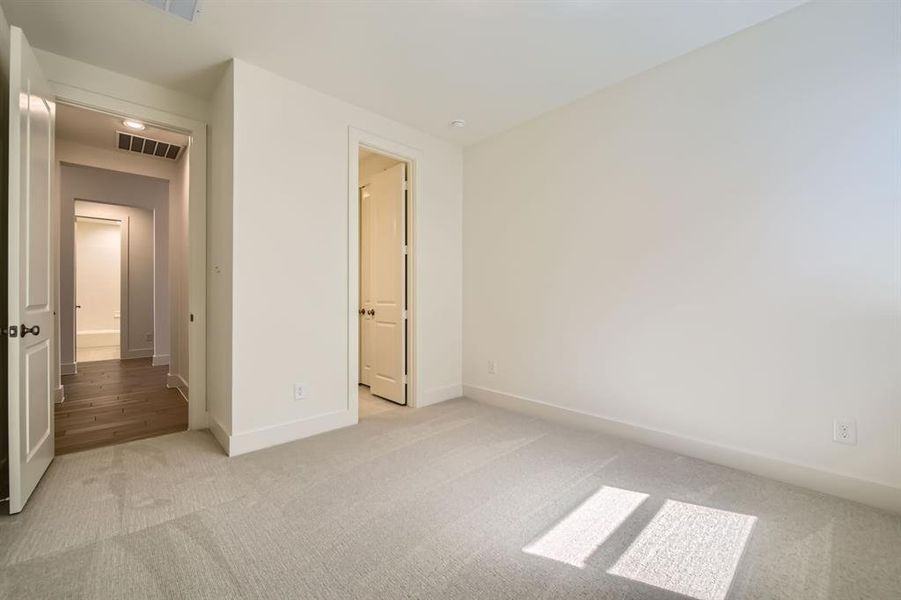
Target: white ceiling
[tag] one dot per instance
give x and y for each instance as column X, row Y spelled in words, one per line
column 98, row 129
column 493, row 63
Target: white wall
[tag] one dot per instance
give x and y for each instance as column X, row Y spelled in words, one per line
column 151, row 195
column 709, row 249
column 98, row 251
column 178, row 268
column 291, row 257
column 219, row 260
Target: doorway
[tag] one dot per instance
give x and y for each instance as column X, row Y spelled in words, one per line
column 383, row 259
column 98, row 288
column 122, row 279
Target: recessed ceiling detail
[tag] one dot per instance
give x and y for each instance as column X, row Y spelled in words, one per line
column 141, row 145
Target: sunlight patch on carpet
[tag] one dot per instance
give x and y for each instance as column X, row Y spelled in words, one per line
column 688, row 549
column 575, row 538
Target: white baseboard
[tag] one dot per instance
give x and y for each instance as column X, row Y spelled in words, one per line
column 139, row 353
column 160, row 360
column 873, row 493
column 257, row 439
column 68, row 368
column 177, row 382
column 436, row 395
column 219, row 433
column 59, row 395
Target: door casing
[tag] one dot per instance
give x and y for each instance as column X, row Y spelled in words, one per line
column 358, row 138
column 197, row 175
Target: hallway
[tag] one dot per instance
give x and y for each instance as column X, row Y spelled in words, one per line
column 114, row 401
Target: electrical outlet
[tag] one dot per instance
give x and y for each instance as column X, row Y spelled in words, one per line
column 300, row 391
column 492, row 367
column 844, row 431
column 148, row 337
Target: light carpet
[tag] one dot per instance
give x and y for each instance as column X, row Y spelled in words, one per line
column 458, row 500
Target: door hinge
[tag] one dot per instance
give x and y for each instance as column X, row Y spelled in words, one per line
column 405, row 379
column 11, row 331
column 405, row 185
column 405, row 314
column 406, row 251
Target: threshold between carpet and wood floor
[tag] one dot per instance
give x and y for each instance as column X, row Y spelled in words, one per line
column 456, row 500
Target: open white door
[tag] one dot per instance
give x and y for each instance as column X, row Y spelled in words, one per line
column 365, row 288
column 31, row 122
column 387, row 226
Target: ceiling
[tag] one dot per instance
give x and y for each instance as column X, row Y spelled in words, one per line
column 98, row 129
column 494, row 64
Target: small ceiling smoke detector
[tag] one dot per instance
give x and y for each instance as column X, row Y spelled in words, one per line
column 458, row 123
column 136, row 125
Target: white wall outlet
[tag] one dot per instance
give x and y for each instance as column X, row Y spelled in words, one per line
column 492, row 367
column 300, row 391
column 844, row 431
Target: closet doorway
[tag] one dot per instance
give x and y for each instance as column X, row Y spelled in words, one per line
column 383, row 256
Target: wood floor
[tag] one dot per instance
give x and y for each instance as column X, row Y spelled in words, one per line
column 114, row 401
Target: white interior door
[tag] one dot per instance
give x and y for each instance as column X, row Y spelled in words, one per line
column 31, row 125
column 388, row 283
column 366, row 305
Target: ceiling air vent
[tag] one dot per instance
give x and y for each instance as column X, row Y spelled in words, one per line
column 142, row 145
column 186, row 9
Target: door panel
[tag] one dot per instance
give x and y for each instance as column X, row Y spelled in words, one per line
column 37, row 410
column 388, row 283
column 31, row 114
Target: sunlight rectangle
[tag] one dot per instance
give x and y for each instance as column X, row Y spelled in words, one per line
column 688, row 549
column 581, row 532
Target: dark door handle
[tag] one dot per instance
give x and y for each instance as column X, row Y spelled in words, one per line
column 33, row 330
column 78, row 306
column 371, row 312
column 362, row 311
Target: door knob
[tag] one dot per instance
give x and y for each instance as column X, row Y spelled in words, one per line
column 371, row 312
column 33, row 330
column 362, row 311
column 78, row 306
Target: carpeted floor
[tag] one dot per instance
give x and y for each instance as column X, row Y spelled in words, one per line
column 458, row 500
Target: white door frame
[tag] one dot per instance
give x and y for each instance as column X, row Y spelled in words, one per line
column 358, row 138
column 197, row 130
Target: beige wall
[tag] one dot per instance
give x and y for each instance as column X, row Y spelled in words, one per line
column 709, row 249
column 178, row 267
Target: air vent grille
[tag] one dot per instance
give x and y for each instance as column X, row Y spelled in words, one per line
column 186, row 9
column 135, row 143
